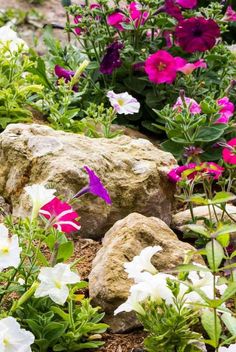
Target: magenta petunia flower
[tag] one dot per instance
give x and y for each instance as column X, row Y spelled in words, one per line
column 95, row 187
column 230, row 15
column 229, row 152
column 161, row 67
column 193, row 106
column 116, row 19
column 172, row 9
column 226, row 110
column 60, row 215
column 175, row 175
column 111, row 59
column 188, row 68
column 197, row 34
column 61, row 72
column 94, row 6
column 138, row 16
column 187, row 4
column 77, row 20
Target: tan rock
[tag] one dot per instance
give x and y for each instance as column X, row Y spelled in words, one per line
column 108, row 282
column 133, row 170
column 184, row 217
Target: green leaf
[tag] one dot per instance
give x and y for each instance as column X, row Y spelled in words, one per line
column 230, row 322
column 222, row 197
column 198, row 199
column 200, row 229
column 214, row 253
column 172, row 147
column 190, row 267
column 229, row 292
column 209, row 134
column 225, row 230
column 209, row 323
column 65, row 251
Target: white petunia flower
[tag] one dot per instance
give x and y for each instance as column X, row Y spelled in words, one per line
column 40, row 195
column 9, row 249
column 136, row 296
column 13, row 338
column 231, row 348
column 8, row 35
column 142, row 263
column 204, row 280
column 54, row 282
column 123, row 103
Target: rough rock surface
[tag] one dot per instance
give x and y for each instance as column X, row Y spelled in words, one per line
column 184, row 217
column 108, row 282
column 133, row 170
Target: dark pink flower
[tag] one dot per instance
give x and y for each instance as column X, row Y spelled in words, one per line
column 161, row 67
column 212, row 169
column 173, row 10
column 226, row 110
column 197, row 34
column 95, row 187
column 229, row 153
column 175, row 175
column 60, row 215
column 138, row 16
column 94, row 6
column 77, row 20
column 187, row 4
column 62, row 72
column 111, row 59
column 188, row 68
column 193, row 106
column 230, row 14
column 116, row 19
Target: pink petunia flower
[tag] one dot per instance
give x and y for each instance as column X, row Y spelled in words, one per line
column 60, row 215
column 187, row 4
column 230, row 15
column 77, row 20
column 226, row 111
column 229, row 153
column 135, row 10
column 116, row 19
column 161, row 67
column 193, row 106
column 175, row 175
column 188, row 68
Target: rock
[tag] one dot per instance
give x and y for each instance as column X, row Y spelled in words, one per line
column 184, row 217
column 133, row 170
column 5, row 209
column 108, row 282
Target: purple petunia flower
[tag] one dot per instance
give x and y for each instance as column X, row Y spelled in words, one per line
column 172, row 9
column 61, row 72
column 197, row 34
column 111, row 59
column 95, row 187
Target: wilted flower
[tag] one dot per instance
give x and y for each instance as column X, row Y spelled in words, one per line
column 142, row 263
column 231, row 348
column 77, row 20
column 226, row 110
column 191, row 104
column 230, row 14
column 9, row 249
column 40, row 195
column 192, row 151
column 95, row 187
column 162, row 67
column 123, row 103
column 60, row 215
column 197, row 34
column 229, row 152
column 8, row 35
column 13, row 338
column 187, row 4
column 111, row 59
column 54, row 281
column 138, row 16
column 61, row 72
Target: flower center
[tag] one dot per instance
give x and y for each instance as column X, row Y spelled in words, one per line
column 161, row 66
column 197, row 32
column 121, row 102
column 5, row 250
column 57, row 284
column 5, row 342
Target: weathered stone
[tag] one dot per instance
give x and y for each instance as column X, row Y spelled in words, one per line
column 108, row 282
column 184, row 217
column 133, row 170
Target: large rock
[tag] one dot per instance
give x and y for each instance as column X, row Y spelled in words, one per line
column 133, row 170
column 108, row 282
column 180, row 219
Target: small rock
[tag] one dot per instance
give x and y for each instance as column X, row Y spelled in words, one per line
column 184, row 217
column 108, row 282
